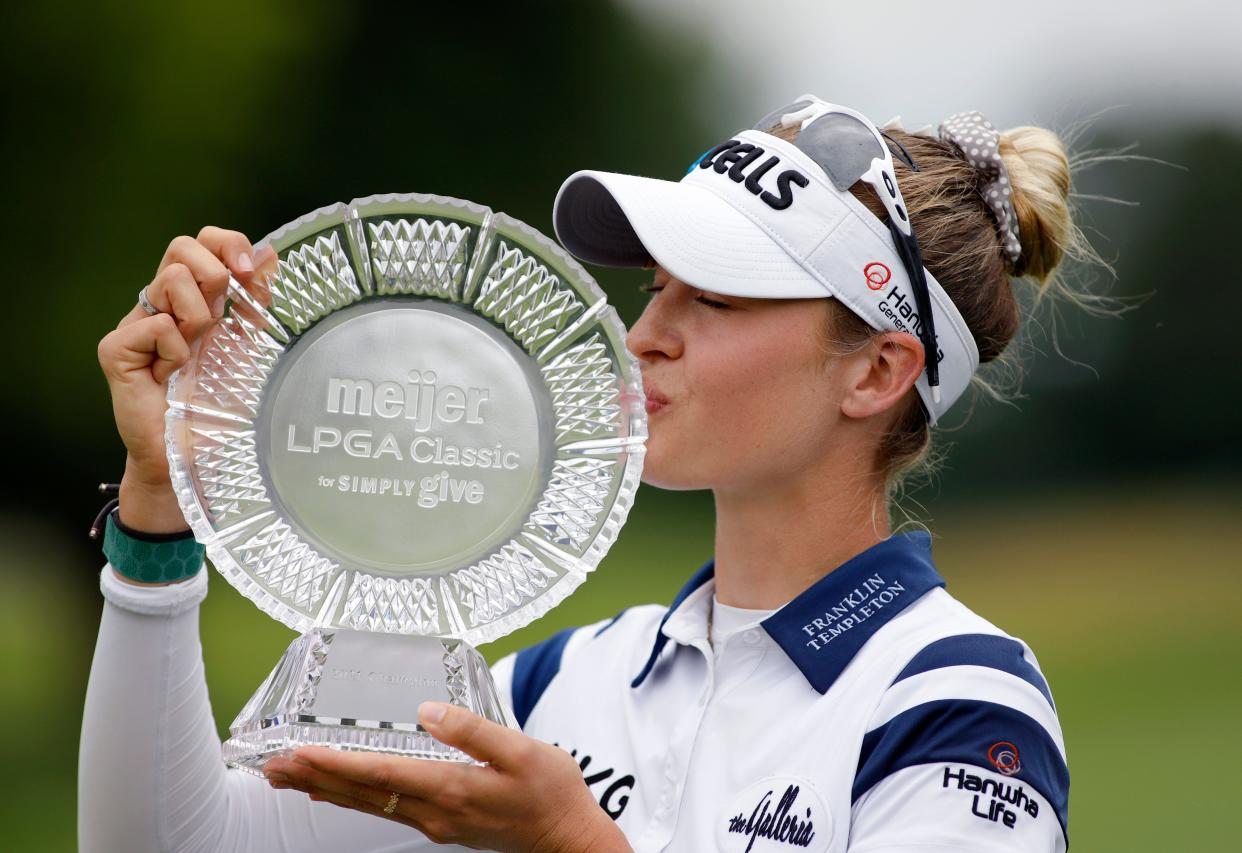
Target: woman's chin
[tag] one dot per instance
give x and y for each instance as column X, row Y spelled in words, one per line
column 669, row 471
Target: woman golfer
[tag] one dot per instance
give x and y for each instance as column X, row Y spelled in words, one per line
column 822, row 293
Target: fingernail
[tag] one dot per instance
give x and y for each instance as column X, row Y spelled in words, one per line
column 244, row 263
column 277, row 777
column 432, row 712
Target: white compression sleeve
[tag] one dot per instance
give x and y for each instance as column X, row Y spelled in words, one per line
column 150, row 776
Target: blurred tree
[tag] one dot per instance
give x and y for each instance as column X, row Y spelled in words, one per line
column 130, row 124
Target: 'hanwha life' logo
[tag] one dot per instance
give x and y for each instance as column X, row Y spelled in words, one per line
column 877, row 275
column 1004, row 757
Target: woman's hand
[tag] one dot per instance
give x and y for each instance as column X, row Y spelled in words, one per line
column 143, row 351
column 529, row 797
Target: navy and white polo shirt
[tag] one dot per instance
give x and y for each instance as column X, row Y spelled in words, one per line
column 873, row 712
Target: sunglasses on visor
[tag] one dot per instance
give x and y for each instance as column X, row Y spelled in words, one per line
column 849, row 148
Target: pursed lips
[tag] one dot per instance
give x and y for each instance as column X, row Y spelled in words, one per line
column 655, row 398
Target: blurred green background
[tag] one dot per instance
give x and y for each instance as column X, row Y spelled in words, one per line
column 1097, row 516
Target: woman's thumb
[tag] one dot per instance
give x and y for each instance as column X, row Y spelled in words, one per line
column 479, row 738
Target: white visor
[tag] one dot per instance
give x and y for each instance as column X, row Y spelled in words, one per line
column 761, row 219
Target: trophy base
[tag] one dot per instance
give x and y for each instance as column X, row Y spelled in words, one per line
column 357, row 690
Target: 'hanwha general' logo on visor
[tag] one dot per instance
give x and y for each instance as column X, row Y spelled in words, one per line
column 877, row 275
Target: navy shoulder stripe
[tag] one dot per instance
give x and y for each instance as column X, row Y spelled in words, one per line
column 963, row 731
column 978, row 650
column 533, row 670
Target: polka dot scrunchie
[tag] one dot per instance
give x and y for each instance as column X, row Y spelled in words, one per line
column 979, row 144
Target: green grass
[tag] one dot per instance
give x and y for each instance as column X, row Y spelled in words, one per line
column 1129, row 598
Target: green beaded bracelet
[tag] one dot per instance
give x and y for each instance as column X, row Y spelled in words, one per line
column 151, row 557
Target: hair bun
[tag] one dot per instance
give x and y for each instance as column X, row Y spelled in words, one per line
column 1039, row 173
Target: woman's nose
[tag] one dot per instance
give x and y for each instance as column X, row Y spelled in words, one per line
column 655, row 333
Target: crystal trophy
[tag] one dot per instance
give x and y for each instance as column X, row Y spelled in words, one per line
column 421, row 431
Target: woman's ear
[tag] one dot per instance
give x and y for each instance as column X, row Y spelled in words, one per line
column 879, row 375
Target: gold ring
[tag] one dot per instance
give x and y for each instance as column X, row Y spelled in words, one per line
column 392, row 803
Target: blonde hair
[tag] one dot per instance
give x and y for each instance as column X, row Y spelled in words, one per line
column 961, row 246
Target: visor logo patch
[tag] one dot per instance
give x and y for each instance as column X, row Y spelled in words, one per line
column 877, row 275
column 733, row 157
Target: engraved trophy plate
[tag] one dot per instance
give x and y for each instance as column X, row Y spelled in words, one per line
column 426, row 438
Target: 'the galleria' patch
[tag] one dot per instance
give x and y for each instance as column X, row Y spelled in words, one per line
column 779, row 813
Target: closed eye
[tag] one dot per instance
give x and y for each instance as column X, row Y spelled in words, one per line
column 710, row 303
